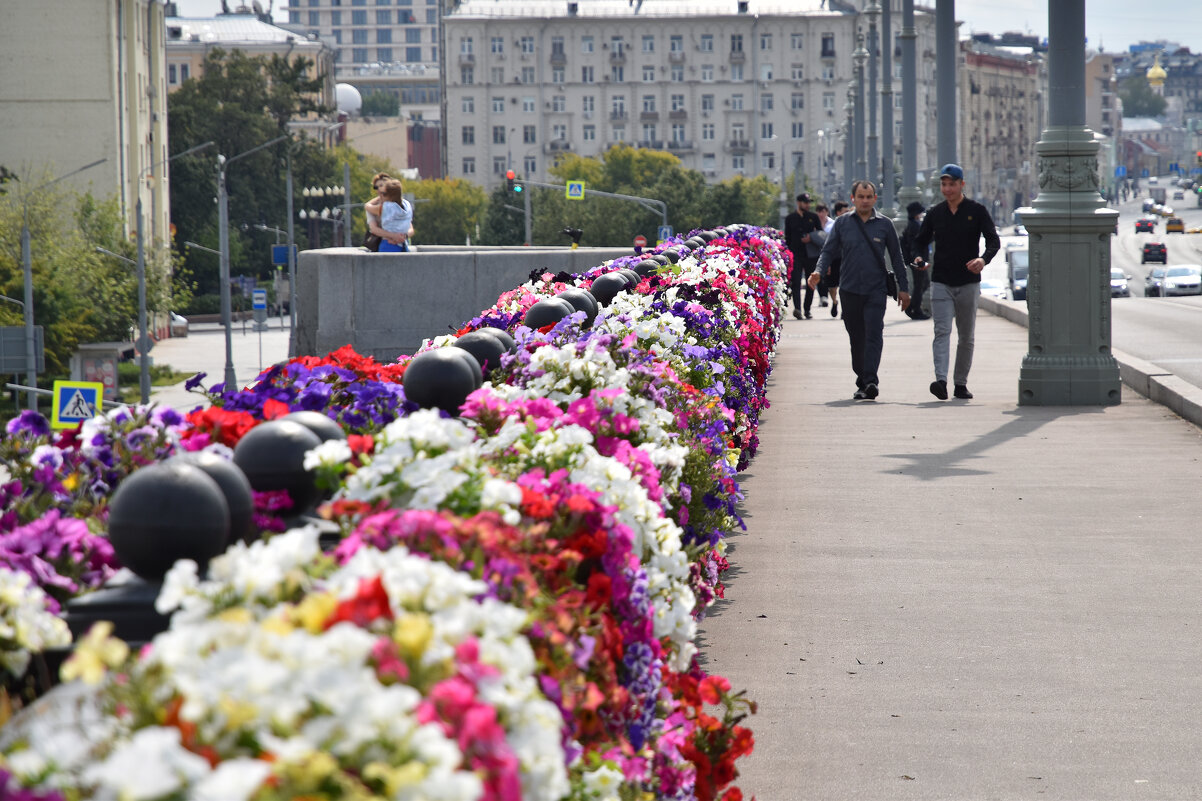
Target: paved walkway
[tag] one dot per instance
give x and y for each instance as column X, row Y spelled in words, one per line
column 963, row 599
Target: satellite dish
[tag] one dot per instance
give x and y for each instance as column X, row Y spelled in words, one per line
column 348, row 98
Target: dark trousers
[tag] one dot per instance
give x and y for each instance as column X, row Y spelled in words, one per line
column 810, row 265
column 920, row 282
column 864, row 319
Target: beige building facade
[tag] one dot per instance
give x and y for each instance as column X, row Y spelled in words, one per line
column 92, row 89
column 731, row 88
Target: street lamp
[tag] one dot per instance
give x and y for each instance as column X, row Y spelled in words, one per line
column 31, row 367
column 872, row 12
column 223, row 224
column 860, row 56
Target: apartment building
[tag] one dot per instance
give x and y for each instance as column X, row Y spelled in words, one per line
column 371, row 32
column 95, row 88
column 731, row 87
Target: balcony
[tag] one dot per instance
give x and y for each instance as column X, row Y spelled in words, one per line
column 651, row 144
column 681, row 145
column 649, row 116
column 617, row 116
column 617, row 59
column 558, row 146
column 737, row 56
column 558, row 58
column 676, row 56
column 738, row 145
column 679, row 114
column 466, row 59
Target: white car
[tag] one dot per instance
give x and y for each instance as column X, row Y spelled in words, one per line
column 1118, row 283
column 1176, row 279
column 179, row 325
column 994, row 289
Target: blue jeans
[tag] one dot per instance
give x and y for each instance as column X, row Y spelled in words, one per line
column 958, row 303
column 864, row 319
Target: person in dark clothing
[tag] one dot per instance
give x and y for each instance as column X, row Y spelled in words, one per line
column 956, row 225
column 798, row 227
column 860, row 240
column 922, row 276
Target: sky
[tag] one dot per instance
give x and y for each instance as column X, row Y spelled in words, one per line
column 1109, row 24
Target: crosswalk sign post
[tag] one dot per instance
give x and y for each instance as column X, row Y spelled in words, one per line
column 76, row 401
column 663, row 233
column 574, row 190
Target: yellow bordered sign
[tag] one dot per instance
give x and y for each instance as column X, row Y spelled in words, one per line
column 76, row 401
column 574, row 190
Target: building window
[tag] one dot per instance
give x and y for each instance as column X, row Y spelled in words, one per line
column 795, row 41
column 384, row 55
column 677, row 103
column 736, row 72
column 469, row 165
column 738, row 133
column 765, row 41
column 736, row 43
column 359, row 36
column 618, row 106
column 586, row 44
column 828, row 101
column 358, row 17
column 618, row 134
column 587, row 105
column 765, row 72
column 335, row 17
column 707, row 131
column 529, row 134
column 766, row 130
column 677, row 73
column 527, row 74
column 526, row 44
column 736, row 102
column 707, row 43
column 648, row 44
column 797, row 101
column 649, row 132
column 799, row 130
column 314, row 18
column 467, row 76
column 648, row 73
column 559, row 103
column 469, row 134
column 648, row 104
column 465, row 46
column 616, row 45
column 737, row 163
column 530, row 165
column 707, row 162
column 497, row 45
column 499, row 165
column 383, row 17
column 171, row 74
column 557, row 47
column 767, row 161
column 359, row 56
column 384, row 36
column 413, row 35
column 498, row 134
column 766, row 103
column 559, row 132
column 797, row 72
column 617, row 74
column 707, row 73
column 586, row 75
column 337, row 37
column 676, row 44
column 677, row 132
column 557, row 75
column 184, row 71
column 828, row 72
column 469, row 105
column 707, row 102
column 828, row 45
column 498, row 105
column 590, row 133
column 528, row 104
column 496, row 75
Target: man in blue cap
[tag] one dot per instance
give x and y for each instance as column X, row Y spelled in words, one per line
column 956, row 225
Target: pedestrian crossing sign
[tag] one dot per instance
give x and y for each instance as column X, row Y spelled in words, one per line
column 76, row 401
column 575, row 190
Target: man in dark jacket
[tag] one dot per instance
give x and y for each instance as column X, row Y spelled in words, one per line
column 798, row 227
column 922, row 277
column 957, row 225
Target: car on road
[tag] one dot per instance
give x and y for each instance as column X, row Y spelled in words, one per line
column 1148, row 204
column 1165, row 211
column 1179, row 194
column 1176, row 279
column 1118, row 283
column 991, row 288
column 1017, row 264
column 1154, row 251
column 1174, row 224
column 1145, row 224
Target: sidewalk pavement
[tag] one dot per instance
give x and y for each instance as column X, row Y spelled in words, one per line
column 203, row 351
column 962, row 599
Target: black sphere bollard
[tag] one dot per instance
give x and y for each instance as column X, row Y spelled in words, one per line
column 486, row 348
column 325, row 428
column 234, row 486
column 632, row 278
column 501, row 336
column 473, row 364
column 547, row 312
column 606, row 287
column 672, row 255
column 581, row 300
column 272, row 455
column 441, row 379
column 647, row 267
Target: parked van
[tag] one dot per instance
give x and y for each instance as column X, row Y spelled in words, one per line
column 1017, row 261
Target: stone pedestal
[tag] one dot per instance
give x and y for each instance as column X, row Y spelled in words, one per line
column 1069, row 361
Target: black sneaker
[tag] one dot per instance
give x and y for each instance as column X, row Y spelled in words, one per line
column 835, row 309
column 809, row 316
column 939, row 389
column 797, row 313
column 860, row 394
column 962, row 392
column 822, row 302
column 871, row 391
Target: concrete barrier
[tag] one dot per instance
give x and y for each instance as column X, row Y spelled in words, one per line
column 385, row 304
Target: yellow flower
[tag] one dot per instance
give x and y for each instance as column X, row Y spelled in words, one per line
column 278, row 625
column 235, row 614
column 412, row 634
column 395, row 779
column 96, row 652
column 236, row 713
column 315, row 610
column 71, row 481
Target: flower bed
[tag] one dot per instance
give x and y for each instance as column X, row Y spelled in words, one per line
column 511, row 609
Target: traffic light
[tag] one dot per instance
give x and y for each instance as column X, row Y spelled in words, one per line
column 512, row 182
column 1200, row 158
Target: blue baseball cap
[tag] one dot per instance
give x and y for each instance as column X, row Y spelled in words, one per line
column 952, row 171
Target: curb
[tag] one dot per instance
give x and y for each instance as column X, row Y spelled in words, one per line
column 1154, row 383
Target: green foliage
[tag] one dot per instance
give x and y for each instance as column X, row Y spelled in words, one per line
column 380, row 104
column 1138, row 98
column 501, row 226
column 447, row 210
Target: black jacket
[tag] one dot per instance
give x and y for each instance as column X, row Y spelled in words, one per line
column 957, row 241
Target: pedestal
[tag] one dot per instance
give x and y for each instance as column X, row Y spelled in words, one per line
column 1069, row 361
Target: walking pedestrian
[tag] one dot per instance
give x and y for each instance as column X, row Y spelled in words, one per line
column 956, row 225
column 860, row 240
column 832, row 273
column 798, row 227
column 922, row 275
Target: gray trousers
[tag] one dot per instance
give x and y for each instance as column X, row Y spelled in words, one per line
column 957, row 303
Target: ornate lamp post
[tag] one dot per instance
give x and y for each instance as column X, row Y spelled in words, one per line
column 860, row 57
column 874, row 158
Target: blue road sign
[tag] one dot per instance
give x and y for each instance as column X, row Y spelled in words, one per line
column 75, row 401
column 663, row 232
column 258, row 299
column 1144, row 173
column 574, row 190
column 1120, row 171
column 279, row 254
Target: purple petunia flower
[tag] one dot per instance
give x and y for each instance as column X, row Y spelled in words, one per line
column 29, row 423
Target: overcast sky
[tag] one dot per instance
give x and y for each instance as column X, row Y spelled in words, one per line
column 1111, row 24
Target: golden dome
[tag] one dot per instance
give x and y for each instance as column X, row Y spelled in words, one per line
column 1156, row 73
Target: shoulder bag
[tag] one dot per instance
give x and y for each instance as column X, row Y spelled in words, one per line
column 890, row 278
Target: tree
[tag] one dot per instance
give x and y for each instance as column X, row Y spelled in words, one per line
column 379, row 103
column 501, row 226
column 447, row 211
column 1138, row 98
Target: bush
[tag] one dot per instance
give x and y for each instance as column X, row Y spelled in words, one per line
column 202, row 304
